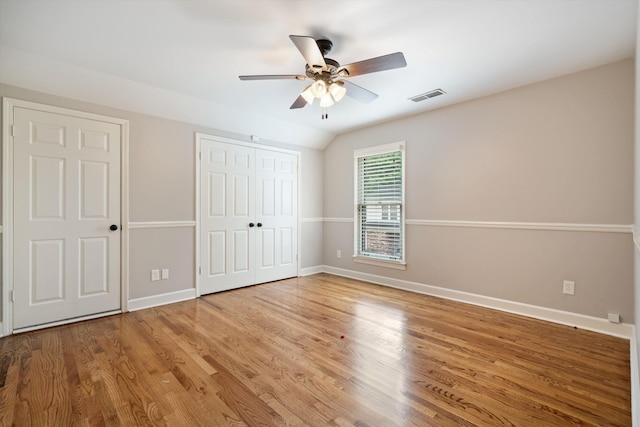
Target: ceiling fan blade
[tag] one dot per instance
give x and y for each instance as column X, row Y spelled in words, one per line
column 310, row 51
column 373, row 65
column 358, row 92
column 300, row 102
column 273, row 77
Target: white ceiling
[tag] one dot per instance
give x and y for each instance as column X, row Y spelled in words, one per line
column 181, row 59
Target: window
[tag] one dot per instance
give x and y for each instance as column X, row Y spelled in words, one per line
column 379, row 205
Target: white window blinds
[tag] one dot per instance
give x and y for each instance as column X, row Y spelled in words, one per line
column 379, row 203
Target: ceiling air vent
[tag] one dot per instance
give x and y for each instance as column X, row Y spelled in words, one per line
column 427, row 95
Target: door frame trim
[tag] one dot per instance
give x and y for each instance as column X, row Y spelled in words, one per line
column 199, row 136
column 7, row 196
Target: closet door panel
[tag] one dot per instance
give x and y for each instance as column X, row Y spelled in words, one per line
column 227, row 209
column 277, row 202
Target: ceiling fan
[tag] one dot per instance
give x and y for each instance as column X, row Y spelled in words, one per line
column 329, row 84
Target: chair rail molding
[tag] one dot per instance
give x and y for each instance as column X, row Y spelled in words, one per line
column 545, row 226
column 160, row 224
column 303, row 220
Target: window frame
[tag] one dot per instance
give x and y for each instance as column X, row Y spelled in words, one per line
column 358, row 257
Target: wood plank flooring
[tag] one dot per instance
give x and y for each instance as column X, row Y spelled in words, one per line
column 314, row 351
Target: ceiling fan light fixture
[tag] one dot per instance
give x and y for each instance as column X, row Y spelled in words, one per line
column 307, row 94
column 326, row 100
column 337, row 90
column 319, row 88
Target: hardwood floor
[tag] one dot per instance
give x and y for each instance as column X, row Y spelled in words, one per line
column 318, row 350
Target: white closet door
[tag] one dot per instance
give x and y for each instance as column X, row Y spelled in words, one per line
column 248, row 216
column 66, row 197
column 277, row 216
column 227, row 210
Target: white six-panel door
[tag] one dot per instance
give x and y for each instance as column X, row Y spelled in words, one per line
column 248, row 216
column 276, row 212
column 227, row 209
column 66, row 195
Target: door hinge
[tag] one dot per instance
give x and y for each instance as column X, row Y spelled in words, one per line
column 200, row 270
column 11, row 296
column 13, row 130
column 200, row 155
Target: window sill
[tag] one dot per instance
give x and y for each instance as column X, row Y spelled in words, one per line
column 397, row 265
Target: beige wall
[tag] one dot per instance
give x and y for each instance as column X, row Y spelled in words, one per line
column 559, row 151
column 162, row 188
column 161, row 176
column 171, row 248
column 311, row 209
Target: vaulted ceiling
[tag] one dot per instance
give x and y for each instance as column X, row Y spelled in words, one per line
column 181, row 58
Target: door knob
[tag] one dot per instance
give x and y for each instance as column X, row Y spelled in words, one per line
column 259, row 224
column 252, row 224
column 113, row 227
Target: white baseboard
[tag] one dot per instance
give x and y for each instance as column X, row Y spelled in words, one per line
column 601, row 325
column 162, row 299
column 311, row 270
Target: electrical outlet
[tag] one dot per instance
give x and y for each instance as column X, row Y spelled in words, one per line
column 569, row 288
column 155, row 275
column 165, row 273
column 339, row 253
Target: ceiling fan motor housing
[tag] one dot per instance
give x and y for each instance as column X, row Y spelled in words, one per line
column 332, row 69
column 324, row 45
